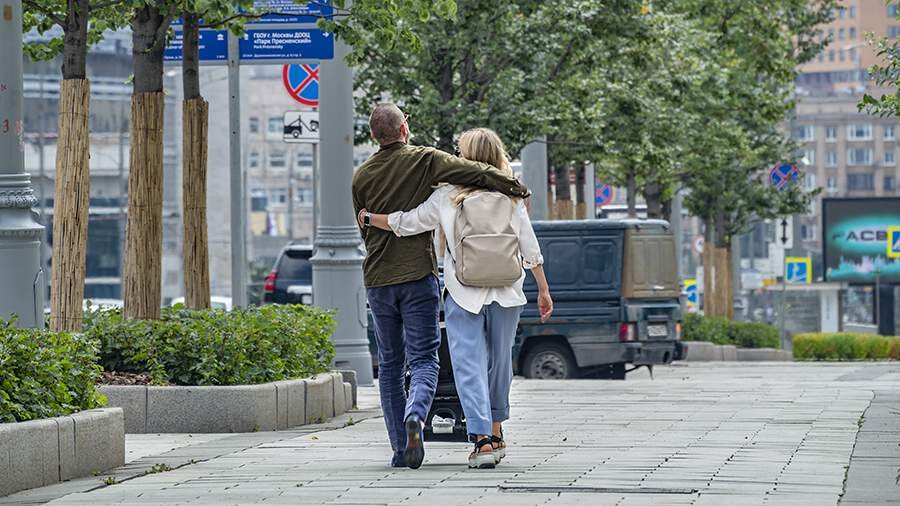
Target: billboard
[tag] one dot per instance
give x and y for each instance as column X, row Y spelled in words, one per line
column 855, row 239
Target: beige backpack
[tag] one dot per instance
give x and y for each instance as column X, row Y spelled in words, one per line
column 487, row 247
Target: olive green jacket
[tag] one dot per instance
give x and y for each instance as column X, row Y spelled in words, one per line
column 399, row 177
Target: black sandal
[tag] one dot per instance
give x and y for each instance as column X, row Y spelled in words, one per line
column 480, row 459
column 499, row 446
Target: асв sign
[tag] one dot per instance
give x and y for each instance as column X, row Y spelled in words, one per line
column 855, row 239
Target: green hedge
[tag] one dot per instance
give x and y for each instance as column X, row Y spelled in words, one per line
column 215, row 347
column 724, row 331
column 845, row 346
column 45, row 374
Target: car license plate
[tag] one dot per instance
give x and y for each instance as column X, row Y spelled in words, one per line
column 657, row 330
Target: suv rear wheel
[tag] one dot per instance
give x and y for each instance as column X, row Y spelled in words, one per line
column 549, row 361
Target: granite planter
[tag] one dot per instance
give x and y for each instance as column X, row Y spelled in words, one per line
column 239, row 408
column 43, row 452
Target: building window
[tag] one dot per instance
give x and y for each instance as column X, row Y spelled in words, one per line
column 831, row 184
column 841, row 31
column 253, row 159
column 890, row 183
column 892, row 10
column 852, row 33
column 831, row 55
column 859, row 156
column 893, row 32
column 859, row 132
column 809, row 181
column 807, row 232
column 277, row 159
column 889, row 157
column 831, row 159
column 853, row 54
column 275, row 125
column 809, row 156
column 889, row 132
column 852, row 12
column 805, row 133
column 860, row 182
column 831, row 133
column 843, row 55
column 821, row 56
column 254, row 125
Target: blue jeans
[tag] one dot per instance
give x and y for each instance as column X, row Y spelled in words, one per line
column 408, row 335
column 481, row 351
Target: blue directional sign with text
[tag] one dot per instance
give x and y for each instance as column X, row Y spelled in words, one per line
column 798, row 269
column 213, row 46
column 288, row 11
column 286, row 44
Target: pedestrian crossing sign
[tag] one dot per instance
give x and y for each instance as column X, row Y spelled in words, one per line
column 690, row 293
column 893, row 242
column 798, row 270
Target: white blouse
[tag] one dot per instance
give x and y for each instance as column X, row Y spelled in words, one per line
column 439, row 210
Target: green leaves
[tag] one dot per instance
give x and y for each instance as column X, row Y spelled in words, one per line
column 214, row 347
column 45, row 374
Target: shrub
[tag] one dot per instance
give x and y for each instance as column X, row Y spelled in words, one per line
column 723, row 331
column 215, row 347
column 845, row 346
column 45, row 374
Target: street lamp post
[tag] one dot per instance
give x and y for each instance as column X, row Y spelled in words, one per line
column 337, row 263
column 21, row 292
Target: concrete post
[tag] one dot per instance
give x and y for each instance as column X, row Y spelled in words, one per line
column 236, row 178
column 21, row 292
column 534, row 172
column 590, row 192
column 337, row 262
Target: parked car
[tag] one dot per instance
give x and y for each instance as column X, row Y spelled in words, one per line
column 215, row 302
column 616, row 293
column 290, row 281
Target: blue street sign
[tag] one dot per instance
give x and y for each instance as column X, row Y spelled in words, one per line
column 287, row 11
column 604, row 194
column 284, row 12
column 797, row 270
column 782, row 175
column 287, row 44
column 690, row 292
column 893, row 241
column 213, row 46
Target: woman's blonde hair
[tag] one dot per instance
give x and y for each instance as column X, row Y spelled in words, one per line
column 482, row 145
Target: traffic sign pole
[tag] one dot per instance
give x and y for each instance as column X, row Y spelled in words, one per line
column 236, row 188
column 337, row 261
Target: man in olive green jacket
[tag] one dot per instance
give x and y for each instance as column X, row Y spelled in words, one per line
column 401, row 272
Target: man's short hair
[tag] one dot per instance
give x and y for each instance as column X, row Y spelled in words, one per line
column 385, row 123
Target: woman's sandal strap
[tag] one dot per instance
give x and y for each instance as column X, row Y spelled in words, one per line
column 496, row 439
column 482, row 442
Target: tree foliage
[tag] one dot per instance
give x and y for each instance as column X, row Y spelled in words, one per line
column 886, row 75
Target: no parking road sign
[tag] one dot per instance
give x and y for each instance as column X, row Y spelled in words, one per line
column 781, row 176
column 798, row 270
column 302, row 82
column 604, row 194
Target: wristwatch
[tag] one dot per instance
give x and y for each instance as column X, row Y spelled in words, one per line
column 367, row 219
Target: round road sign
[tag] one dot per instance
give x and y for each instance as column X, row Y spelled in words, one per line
column 302, row 82
column 604, row 194
column 782, row 175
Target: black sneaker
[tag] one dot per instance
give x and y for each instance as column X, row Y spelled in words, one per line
column 415, row 449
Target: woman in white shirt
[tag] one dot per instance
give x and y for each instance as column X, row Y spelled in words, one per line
column 481, row 322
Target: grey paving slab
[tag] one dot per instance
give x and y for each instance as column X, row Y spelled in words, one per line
column 697, row 434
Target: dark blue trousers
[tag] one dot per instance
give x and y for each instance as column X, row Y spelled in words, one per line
column 408, row 335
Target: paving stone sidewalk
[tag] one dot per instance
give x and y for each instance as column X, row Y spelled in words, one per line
column 697, row 434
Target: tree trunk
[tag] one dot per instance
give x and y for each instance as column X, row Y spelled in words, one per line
column 580, row 207
column 653, row 198
column 70, row 206
column 446, row 130
column 630, row 196
column 143, row 237
column 564, row 207
column 74, row 64
column 709, row 299
column 143, row 249
column 195, row 133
